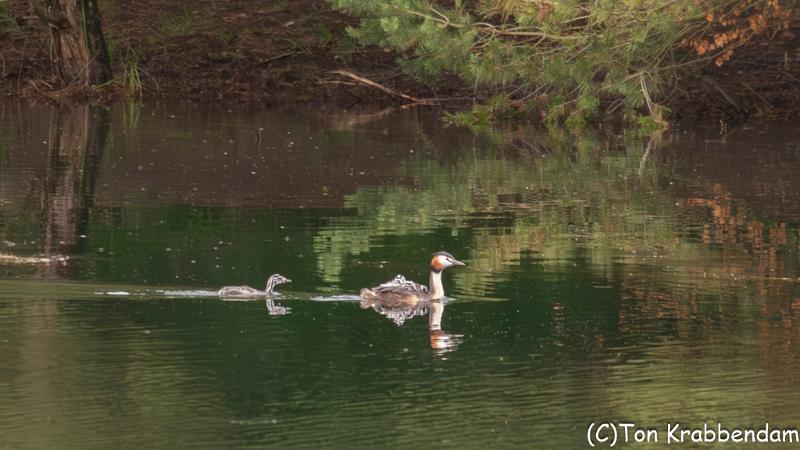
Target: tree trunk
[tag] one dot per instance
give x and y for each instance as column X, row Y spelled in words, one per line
column 77, row 47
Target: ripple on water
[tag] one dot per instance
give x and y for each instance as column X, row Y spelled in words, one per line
column 191, row 293
column 622, row 298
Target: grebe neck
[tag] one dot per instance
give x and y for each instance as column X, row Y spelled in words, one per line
column 437, row 290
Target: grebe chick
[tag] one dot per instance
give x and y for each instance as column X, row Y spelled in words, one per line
column 401, row 292
column 248, row 292
column 400, row 280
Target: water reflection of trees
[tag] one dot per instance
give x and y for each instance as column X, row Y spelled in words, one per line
column 691, row 265
column 734, row 229
column 76, row 144
column 597, row 197
column 585, row 194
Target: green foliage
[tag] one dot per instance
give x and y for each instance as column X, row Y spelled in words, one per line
column 176, row 25
column 345, row 47
column 113, row 49
column 480, row 117
column 564, row 58
column 8, row 23
column 229, row 36
column 323, row 32
column 130, row 75
column 131, row 79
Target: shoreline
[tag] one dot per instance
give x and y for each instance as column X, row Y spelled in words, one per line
column 229, row 53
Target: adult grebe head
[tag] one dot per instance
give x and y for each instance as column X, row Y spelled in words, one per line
column 442, row 260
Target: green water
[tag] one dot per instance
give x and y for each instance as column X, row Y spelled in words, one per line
column 610, row 276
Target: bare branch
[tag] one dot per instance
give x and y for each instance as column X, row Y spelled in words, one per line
column 380, row 87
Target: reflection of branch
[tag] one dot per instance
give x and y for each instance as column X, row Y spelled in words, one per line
column 654, row 142
column 347, row 122
column 381, row 87
column 7, row 258
column 645, row 156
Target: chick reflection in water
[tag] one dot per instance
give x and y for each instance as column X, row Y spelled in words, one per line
column 248, row 293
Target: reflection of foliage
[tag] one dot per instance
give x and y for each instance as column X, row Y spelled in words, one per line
column 580, row 198
column 330, row 247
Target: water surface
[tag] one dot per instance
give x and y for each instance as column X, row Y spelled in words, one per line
column 609, row 275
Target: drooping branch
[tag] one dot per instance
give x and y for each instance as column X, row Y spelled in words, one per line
column 488, row 28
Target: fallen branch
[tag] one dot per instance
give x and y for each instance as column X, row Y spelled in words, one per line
column 343, row 83
column 275, row 58
column 381, row 87
column 770, row 106
column 724, row 94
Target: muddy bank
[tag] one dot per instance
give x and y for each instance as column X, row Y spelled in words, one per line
column 217, row 51
column 270, row 53
column 761, row 80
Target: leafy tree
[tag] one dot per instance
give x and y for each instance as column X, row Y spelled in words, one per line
column 563, row 59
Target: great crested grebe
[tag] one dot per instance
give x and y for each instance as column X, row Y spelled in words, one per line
column 401, row 292
column 248, row 292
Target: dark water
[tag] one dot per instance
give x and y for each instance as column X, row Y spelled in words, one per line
column 610, row 276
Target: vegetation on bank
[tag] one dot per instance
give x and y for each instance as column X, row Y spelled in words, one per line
column 569, row 59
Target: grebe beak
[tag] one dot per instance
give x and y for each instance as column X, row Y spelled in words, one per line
column 458, row 263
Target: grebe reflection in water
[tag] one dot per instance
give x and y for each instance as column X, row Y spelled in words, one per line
column 441, row 342
column 274, row 309
column 399, row 313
